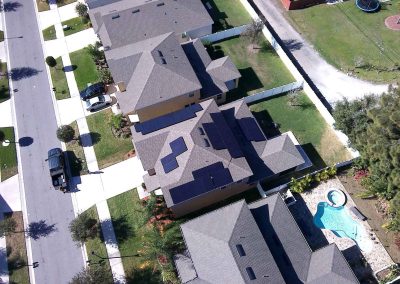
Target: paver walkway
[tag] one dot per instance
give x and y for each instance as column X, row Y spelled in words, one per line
column 333, row 84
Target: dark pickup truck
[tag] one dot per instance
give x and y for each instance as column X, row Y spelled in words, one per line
column 58, row 175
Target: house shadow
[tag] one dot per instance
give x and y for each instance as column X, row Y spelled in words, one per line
column 359, row 265
column 17, row 74
column 312, row 153
column 89, row 139
column 304, row 219
column 247, row 83
column 215, row 51
column 40, row 229
column 219, row 17
column 268, row 126
column 11, row 6
column 4, row 207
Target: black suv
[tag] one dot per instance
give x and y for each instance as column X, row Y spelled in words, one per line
column 93, row 91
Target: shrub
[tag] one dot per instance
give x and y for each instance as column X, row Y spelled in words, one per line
column 51, row 61
column 81, row 9
column 94, row 52
column 301, row 185
column 83, row 228
column 105, row 76
column 116, row 121
column 65, row 133
column 7, row 226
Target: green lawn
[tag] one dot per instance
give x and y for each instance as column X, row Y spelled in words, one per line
column 85, row 71
column 227, row 14
column 76, row 25
column 76, row 155
column 129, row 221
column 261, row 68
column 8, row 155
column 59, row 81
column 16, row 251
column 42, row 5
column 1, row 36
column 109, row 149
column 49, row 33
column 97, row 245
column 4, row 87
column 304, row 120
column 345, row 36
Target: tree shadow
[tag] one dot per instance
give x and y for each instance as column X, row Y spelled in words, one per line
column 11, row 6
column 123, row 230
column 39, row 229
column 75, row 164
column 25, row 141
column 293, row 44
column 89, row 139
column 215, row 51
column 17, row 74
column 69, row 68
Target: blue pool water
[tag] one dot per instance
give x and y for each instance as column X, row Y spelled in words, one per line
column 339, row 221
column 334, row 197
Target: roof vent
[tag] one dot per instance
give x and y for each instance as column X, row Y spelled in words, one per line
column 240, row 250
column 115, row 17
column 163, row 61
column 135, row 11
column 201, row 130
column 206, row 143
column 250, row 273
column 160, row 4
column 160, row 53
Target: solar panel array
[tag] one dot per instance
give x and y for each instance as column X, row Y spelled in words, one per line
column 221, row 136
column 251, row 130
column 169, row 162
column 168, row 119
column 205, row 180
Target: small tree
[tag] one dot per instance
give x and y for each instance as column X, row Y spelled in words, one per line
column 94, row 52
column 105, row 76
column 7, row 226
column 81, row 9
column 96, row 274
column 293, row 99
column 51, row 61
column 83, row 228
column 253, row 32
column 65, row 133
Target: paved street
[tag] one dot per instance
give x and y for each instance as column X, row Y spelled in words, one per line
column 57, row 255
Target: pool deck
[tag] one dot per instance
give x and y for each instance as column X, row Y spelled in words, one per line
column 377, row 258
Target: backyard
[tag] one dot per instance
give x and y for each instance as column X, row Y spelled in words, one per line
column 261, row 68
column 4, row 88
column 131, row 221
column 97, row 245
column 59, row 80
column 8, row 155
column 84, row 68
column 76, row 155
column 227, row 13
column 16, row 251
column 108, row 148
column 75, row 25
column 372, row 50
column 304, row 120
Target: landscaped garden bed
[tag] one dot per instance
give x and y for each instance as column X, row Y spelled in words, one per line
column 302, row 118
column 372, row 50
column 17, row 259
column 227, row 13
column 59, row 80
column 8, row 155
column 108, row 148
column 4, row 87
column 259, row 65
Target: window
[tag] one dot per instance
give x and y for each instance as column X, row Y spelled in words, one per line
column 191, row 95
column 240, row 250
column 115, row 17
column 135, row 11
column 250, row 273
column 160, row 4
column 206, row 143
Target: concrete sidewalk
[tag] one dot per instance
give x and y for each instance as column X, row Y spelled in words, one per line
column 6, row 114
column 10, row 199
column 332, row 83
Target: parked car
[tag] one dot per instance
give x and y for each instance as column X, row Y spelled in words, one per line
column 56, row 160
column 93, row 91
column 97, row 103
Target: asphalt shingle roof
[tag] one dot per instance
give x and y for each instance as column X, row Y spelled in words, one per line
column 273, row 245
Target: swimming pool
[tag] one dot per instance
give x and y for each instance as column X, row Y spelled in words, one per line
column 340, row 222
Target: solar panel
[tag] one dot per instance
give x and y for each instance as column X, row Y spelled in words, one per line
column 169, row 163
column 251, row 129
column 167, row 119
column 178, row 146
column 226, row 135
column 214, row 136
column 205, row 180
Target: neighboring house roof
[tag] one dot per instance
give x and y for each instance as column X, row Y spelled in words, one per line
column 154, row 70
column 267, row 233
column 124, row 22
column 213, row 74
column 224, row 143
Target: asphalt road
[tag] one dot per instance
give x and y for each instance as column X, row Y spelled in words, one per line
column 58, row 256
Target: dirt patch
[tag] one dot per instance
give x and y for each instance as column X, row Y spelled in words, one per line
column 332, row 150
column 16, row 251
column 369, row 208
column 253, row 48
